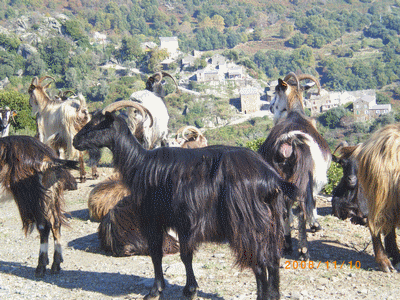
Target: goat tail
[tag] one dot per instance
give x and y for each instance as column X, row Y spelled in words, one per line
column 120, row 235
column 253, row 222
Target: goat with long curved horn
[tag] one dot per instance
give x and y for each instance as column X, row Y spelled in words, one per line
column 292, row 75
column 127, row 103
column 312, row 78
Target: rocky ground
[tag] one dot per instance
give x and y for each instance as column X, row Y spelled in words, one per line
column 342, row 265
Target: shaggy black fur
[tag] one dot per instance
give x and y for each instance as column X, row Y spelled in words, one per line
column 209, row 194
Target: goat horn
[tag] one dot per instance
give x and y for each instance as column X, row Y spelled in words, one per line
column 62, row 94
column 165, row 74
column 292, row 74
column 128, row 103
column 160, row 75
column 34, row 80
column 193, row 130
column 311, row 77
column 180, row 130
column 341, row 145
column 44, row 78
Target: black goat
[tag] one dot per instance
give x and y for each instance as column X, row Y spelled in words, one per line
column 348, row 200
column 31, row 172
column 215, row 193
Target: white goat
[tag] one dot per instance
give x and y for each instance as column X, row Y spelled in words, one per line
column 152, row 99
column 59, row 121
column 6, row 114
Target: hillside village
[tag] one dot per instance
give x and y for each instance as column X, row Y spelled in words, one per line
column 253, row 97
column 219, row 77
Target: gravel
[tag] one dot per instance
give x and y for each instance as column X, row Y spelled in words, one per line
column 87, row 272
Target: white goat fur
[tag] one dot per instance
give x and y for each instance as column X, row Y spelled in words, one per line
column 59, row 121
column 157, row 134
column 5, row 118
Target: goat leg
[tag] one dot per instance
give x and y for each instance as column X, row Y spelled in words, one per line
column 267, row 285
column 380, row 256
column 288, row 247
column 314, row 224
column 57, row 259
column 82, row 168
column 44, row 231
column 391, row 247
column 155, row 241
column 95, row 173
column 190, row 289
column 303, row 247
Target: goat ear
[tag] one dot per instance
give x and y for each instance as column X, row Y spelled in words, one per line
column 308, row 86
column 109, row 116
column 335, row 159
column 282, row 85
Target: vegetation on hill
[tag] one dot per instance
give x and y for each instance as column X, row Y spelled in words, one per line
column 348, row 44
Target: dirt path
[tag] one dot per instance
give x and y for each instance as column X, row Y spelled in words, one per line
column 88, row 273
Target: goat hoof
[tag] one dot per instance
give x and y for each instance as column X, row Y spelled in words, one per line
column 40, row 271
column 55, row 269
column 152, row 297
column 288, row 251
column 315, row 227
column 190, row 292
column 386, row 266
column 304, row 255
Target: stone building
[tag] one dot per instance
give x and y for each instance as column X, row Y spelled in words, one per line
column 249, row 100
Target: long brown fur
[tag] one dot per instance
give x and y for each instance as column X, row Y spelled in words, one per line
column 31, row 172
column 105, row 196
column 379, row 173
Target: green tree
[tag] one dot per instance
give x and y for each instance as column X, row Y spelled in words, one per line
column 55, row 51
column 297, row 40
column 19, row 102
column 156, row 56
column 74, row 29
column 34, row 65
column 130, row 49
column 285, row 30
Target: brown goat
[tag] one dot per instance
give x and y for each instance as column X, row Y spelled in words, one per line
column 59, row 120
column 33, row 175
column 192, row 137
column 289, row 95
column 379, row 174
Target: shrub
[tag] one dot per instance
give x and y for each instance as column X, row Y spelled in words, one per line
column 335, row 173
column 255, row 144
column 19, row 102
